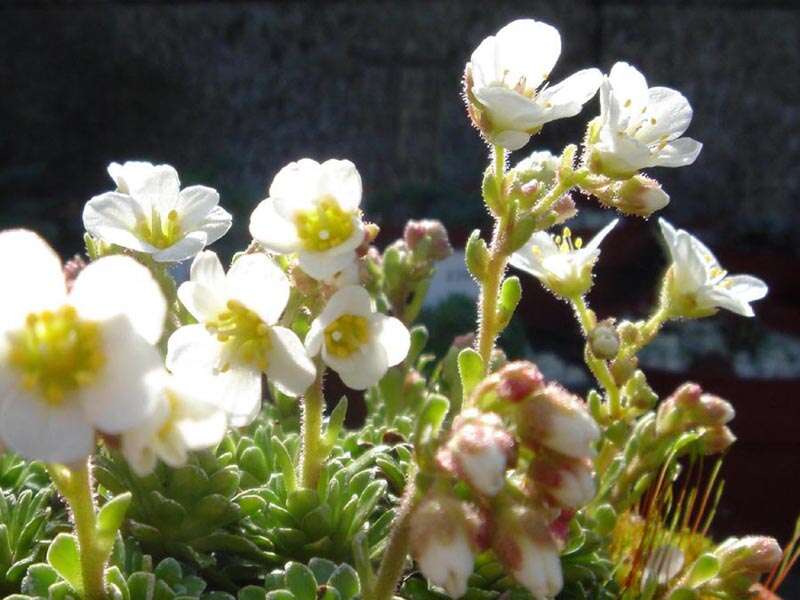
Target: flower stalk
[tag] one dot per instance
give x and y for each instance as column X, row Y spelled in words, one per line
column 314, row 451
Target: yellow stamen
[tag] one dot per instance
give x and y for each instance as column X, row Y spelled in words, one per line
column 245, row 335
column 325, row 226
column 159, row 232
column 346, row 335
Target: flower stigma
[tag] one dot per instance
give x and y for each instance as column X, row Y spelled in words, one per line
column 245, row 335
column 160, row 233
column 325, row 226
column 56, row 353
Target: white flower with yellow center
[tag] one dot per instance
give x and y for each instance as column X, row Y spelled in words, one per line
column 504, row 83
column 640, row 127
column 150, row 213
column 312, row 210
column 357, row 342
column 74, row 363
column 185, row 418
column 562, row 264
column 237, row 338
column 698, row 286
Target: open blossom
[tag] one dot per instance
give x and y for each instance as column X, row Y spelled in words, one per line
column 698, row 285
column 562, row 265
column 150, row 213
column 357, row 342
column 505, row 83
column 312, row 210
column 186, row 417
column 640, row 127
column 237, row 338
column 74, row 363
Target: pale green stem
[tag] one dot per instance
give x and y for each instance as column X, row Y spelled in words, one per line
column 314, row 451
column 647, row 332
column 562, row 187
column 598, row 367
column 76, row 486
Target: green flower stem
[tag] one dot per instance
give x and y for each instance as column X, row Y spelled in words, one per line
column 598, row 367
column 76, row 486
column 498, row 258
column 314, row 451
column 563, row 185
column 647, row 332
column 394, row 557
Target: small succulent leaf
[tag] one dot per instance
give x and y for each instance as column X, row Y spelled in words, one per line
column 110, row 518
column 64, row 557
column 470, row 369
column 301, row 581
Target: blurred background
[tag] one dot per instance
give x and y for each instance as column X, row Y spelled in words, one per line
column 230, row 92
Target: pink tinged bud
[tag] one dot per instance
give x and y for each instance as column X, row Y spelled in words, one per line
column 559, row 528
column 752, row 555
column 713, row 410
column 640, row 196
column 716, row 440
column 539, row 569
column 428, row 237
column 558, row 420
column 73, row 268
column 566, row 483
column 564, row 208
column 518, row 380
column 441, row 543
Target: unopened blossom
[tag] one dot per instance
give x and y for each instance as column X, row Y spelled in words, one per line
column 639, row 195
column 562, row 264
column 558, row 420
column 442, row 542
column 237, row 337
column 564, row 482
column 480, row 450
column 698, row 286
column 715, row 440
column 752, row 555
column 357, row 342
column 428, row 239
column 78, row 362
column 604, row 340
column 313, row 210
column 506, row 93
column 689, row 407
column 186, row 417
column 640, row 127
column 150, row 213
column 663, row 564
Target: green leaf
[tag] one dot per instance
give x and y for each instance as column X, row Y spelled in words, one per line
column 522, row 231
column 683, row 594
column 252, row 592
column 606, row 518
column 254, row 462
column 510, row 295
column 345, row 580
column 280, row 595
column 322, row 568
column 110, row 519
column 432, row 416
column 300, row 502
column 38, row 579
column 64, row 557
column 705, row 568
column 470, row 368
column 301, row 581
column 285, row 464
column 336, row 422
column 476, row 255
column 419, row 339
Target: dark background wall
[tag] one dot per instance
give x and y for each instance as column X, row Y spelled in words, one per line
column 230, row 92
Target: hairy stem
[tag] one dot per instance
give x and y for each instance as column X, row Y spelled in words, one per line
column 314, row 451
column 76, row 486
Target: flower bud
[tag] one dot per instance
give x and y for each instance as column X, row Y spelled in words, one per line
column 518, row 380
column 72, row 269
column 689, row 407
column 716, row 440
column 640, row 196
column 428, row 238
column 524, row 544
column 558, row 420
column 441, row 542
column 750, row 556
column 567, row 483
column 604, row 340
column 480, row 450
column 564, row 209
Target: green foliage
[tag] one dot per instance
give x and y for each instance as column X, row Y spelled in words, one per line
column 17, row 474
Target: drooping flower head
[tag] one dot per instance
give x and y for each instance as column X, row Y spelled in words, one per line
column 506, row 93
column 698, row 286
column 237, row 338
column 640, row 127
column 312, row 210
column 72, row 364
column 563, row 265
column 357, row 342
column 150, row 213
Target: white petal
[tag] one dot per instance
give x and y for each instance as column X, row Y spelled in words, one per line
column 510, row 140
column 296, row 187
column 239, row 395
column 393, row 336
column 205, row 295
column 118, row 285
column 32, row 276
column 258, row 283
column 192, row 348
column 271, row 230
column 129, row 176
column 529, row 49
column 566, row 99
column 668, row 114
column 350, row 300
column 216, row 224
column 207, row 270
column 594, row 244
column 183, row 249
column 362, row 369
column 324, row 265
column 288, row 366
column 194, row 204
column 746, row 287
column 38, row 431
column 129, row 384
column 113, row 217
column 722, row 298
column 629, row 88
column 679, row 153
column 159, row 189
column 341, row 179
column 510, row 110
column 670, row 235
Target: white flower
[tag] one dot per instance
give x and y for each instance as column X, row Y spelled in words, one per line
column 237, row 338
column 312, row 210
column 539, row 569
column 149, row 213
column 698, row 286
column 504, row 83
column 562, row 265
column 74, row 363
column 357, row 342
column 640, row 127
column 185, row 418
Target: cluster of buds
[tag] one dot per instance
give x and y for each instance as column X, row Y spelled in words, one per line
column 524, row 518
column 689, row 408
column 530, row 180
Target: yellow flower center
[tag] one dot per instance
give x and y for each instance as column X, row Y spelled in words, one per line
column 565, row 243
column 325, row 226
column 346, row 335
column 158, row 232
column 246, row 337
column 56, row 353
